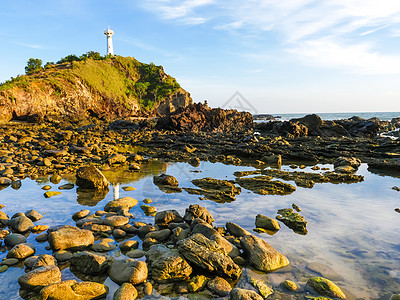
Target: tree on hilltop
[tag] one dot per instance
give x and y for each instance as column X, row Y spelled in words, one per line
column 33, row 65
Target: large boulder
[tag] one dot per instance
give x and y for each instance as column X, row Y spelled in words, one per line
column 208, row 255
column 196, row 211
column 262, row 255
column 72, row 290
column 128, row 270
column 70, row 238
column 125, row 203
column 89, row 263
column 163, row 218
column 325, row 287
column 38, row 278
column 167, row 265
column 236, row 230
column 90, row 177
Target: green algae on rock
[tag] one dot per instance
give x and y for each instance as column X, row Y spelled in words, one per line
column 325, row 287
column 292, row 220
column 263, row 185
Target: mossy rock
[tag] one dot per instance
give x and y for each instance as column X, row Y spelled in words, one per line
column 325, row 287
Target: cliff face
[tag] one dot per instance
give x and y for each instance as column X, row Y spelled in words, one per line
column 112, row 88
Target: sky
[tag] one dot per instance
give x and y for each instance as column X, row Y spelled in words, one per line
column 264, row 56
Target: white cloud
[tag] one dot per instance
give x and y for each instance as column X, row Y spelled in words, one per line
column 32, row 46
column 327, row 33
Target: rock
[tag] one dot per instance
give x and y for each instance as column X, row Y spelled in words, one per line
column 39, row 228
column 14, row 239
column 136, row 253
column 159, row 235
column 43, row 260
column 62, row 255
column 90, row 177
column 5, row 181
column 3, row 219
column 89, row 263
column 126, row 292
column 3, row 268
column 214, row 189
column 149, row 242
column 262, row 255
column 395, row 297
column 167, row 265
column 292, row 220
column 80, row 214
column 128, row 188
column 267, row 223
column 20, row 224
column 148, row 210
column 70, row 238
column 116, row 158
column 325, row 287
column 119, row 234
column 236, row 230
column 129, row 245
column 261, row 287
column 219, row 286
column 38, row 278
column 194, row 162
column 128, row 270
column 67, row 186
column 208, row 255
column 290, row 285
column 71, row 290
column 229, row 248
column 163, row 218
column 21, row 251
column 9, row 262
column 33, row 215
column 41, row 238
column 104, row 245
column 165, row 180
column 50, row 194
column 196, row 211
column 144, row 230
column 125, row 203
column 263, row 185
column 116, row 221
column 242, row 294
column 197, row 283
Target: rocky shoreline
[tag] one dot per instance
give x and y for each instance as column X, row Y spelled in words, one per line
column 185, row 256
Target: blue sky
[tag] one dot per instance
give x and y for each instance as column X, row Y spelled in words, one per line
column 282, row 56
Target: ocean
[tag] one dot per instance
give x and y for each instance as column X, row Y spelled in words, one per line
column 384, row 116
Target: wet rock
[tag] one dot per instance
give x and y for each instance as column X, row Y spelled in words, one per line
column 292, row 220
column 55, row 178
column 144, row 230
column 208, row 255
column 89, row 263
column 38, row 278
column 33, row 215
column 129, row 245
column 90, row 177
column 262, row 255
column 325, row 287
column 43, row 260
column 163, row 218
column 159, row 235
column 229, row 248
column 118, row 234
column 3, row 268
column 261, row 287
column 21, row 251
column 128, row 270
column 167, row 265
column 125, row 203
column 290, row 285
column 219, row 286
column 214, row 189
column 194, row 162
column 116, row 221
column 20, row 224
column 242, row 294
column 104, row 245
column 266, row 223
column 165, row 179
column 14, row 239
column 62, row 255
column 196, row 211
column 80, row 214
column 5, row 181
column 67, row 186
column 236, row 230
column 70, row 238
column 3, row 219
column 9, row 262
column 263, row 185
column 126, row 292
column 50, row 194
column 136, row 253
column 197, row 283
column 116, row 158
column 128, row 188
column 148, row 210
column 71, row 289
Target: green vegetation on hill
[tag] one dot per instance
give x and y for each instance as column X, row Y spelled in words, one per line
column 123, row 80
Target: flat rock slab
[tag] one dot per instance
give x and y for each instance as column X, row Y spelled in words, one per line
column 70, row 238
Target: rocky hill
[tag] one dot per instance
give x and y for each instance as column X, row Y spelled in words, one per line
column 109, row 88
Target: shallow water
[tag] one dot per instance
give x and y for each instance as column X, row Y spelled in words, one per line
column 352, row 228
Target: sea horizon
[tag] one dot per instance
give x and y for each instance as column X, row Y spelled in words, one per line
column 383, row 116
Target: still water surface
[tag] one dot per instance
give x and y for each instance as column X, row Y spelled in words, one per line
column 352, row 228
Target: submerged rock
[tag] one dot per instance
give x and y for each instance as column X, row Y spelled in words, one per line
column 325, row 287
column 262, row 255
column 243, row 294
column 263, row 185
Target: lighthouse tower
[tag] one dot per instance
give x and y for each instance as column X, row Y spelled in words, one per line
column 109, row 33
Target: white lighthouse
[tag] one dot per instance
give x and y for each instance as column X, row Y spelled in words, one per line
column 109, row 33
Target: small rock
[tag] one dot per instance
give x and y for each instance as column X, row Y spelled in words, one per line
column 267, row 223
column 67, row 186
column 21, row 251
column 80, row 214
column 242, row 294
column 325, row 287
column 20, row 223
column 126, row 292
column 165, row 179
column 46, row 187
column 51, row 194
column 14, row 239
column 33, row 215
column 129, row 245
column 9, row 262
column 136, row 253
column 290, row 285
column 219, row 286
column 197, row 283
column 128, row 188
column 3, row 268
column 116, row 221
column 128, row 270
